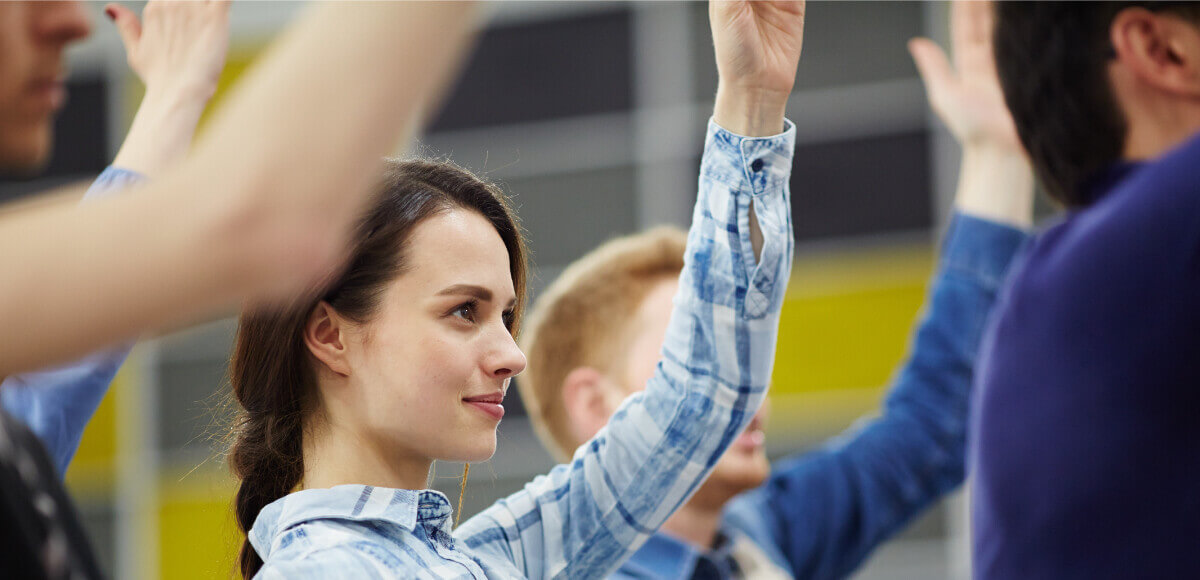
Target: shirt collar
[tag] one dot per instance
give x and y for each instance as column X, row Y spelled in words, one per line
column 404, row 507
column 666, row 557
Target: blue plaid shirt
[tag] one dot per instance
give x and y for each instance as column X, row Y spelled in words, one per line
column 584, row 518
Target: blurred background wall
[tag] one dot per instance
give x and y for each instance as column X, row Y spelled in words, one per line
column 592, row 116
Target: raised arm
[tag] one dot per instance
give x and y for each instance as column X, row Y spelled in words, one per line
column 178, row 53
column 584, row 518
column 261, row 208
column 825, row 511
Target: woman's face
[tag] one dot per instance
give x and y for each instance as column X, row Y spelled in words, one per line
column 430, row 369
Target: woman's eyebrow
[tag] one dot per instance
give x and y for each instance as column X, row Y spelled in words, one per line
column 469, row 290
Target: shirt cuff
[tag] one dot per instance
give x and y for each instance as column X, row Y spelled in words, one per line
column 980, row 248
column 111, row 180
column 763, row 162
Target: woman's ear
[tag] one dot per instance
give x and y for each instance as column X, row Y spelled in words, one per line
column 324, row 335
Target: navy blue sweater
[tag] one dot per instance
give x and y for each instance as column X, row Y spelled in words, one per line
column 1085, row 444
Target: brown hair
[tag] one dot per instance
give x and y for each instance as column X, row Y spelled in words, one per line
column 582, row 318
column 270, row 371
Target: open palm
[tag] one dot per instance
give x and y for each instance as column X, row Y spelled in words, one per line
column 758, row 42
column 967, row 95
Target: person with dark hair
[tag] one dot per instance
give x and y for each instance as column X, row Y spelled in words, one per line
column 235, row 221
column 1084, row 434
column 350, row 397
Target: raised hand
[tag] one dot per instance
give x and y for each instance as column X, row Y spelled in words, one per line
column 757, row 46
column 996, row 180
column 966, row 95
column 181, row 45
column 178, row 50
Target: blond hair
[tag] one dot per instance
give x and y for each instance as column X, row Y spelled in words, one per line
column 581, row 320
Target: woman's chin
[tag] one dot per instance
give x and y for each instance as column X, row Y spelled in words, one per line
column 482, row 450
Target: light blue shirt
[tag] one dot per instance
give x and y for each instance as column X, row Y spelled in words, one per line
column 584, row 518
column 57, row 403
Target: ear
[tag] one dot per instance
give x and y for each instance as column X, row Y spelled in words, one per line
column 1160, row 49
column 324, row 335
column 586, row 395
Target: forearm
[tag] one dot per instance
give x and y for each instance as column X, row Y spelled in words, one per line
column 57, row 403
column 261, row 209
column 750, row 113
column 62, row 197
column 828, row 509
column 162, row 130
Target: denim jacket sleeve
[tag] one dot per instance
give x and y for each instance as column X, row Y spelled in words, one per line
column 58, row 402
column 584, row 518
column 823, row 512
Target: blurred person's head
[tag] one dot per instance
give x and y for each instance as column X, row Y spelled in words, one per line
column 407, row 354
column 33, row 38
column 595, row 336
column 1091, row 83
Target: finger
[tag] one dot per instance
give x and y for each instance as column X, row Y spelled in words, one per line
column 128, row 25
column 969, row 24
column 932, row 65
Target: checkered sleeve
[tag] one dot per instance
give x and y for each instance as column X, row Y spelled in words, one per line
column 584, row 518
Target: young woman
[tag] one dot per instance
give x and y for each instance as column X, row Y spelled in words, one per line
column 406, row 358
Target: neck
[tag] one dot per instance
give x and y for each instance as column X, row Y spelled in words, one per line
column 1148, row 141
column 338, row 454
column 697, row 522
column 1157, row 121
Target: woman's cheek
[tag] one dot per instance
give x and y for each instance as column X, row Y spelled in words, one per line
column 438, row 358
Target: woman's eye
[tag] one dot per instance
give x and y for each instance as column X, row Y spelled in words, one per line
column 464, row 311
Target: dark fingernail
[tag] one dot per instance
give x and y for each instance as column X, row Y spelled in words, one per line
column 111, row 14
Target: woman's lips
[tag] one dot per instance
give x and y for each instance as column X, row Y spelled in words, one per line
column 491, row 404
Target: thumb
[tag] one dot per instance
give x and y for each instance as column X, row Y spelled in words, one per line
column 127, row 24
column 932, row 64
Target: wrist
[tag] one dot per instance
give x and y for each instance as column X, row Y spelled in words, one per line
column 179, row 96
column 991, row 150
column 996, row 183
column 750, row 112
column 162, row 129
